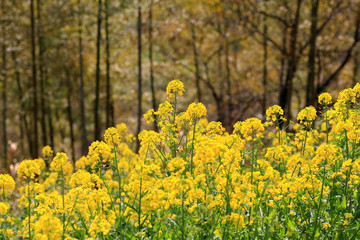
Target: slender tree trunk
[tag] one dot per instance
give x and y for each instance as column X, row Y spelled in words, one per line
column 97, row 90
column 217, row 99
column 319, row 69
column 51, row 127
column 356, row 67
column 22, row 114
column 286, row 91
column 22, row 138
column 265, row 75
column 282, row 62
column 109, row 100
column 228, row 99
column 219, row 60
column 41, row 70
column 310, row 87
column 139, row 31
column 35, row 148
column 228, row 96
column 84, row 145
column 220, row 99
column 70, row 117
column 4, row 86
column 196, row 62
column 153, row 96
column 50, row 110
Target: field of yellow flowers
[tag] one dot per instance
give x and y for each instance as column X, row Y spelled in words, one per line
column 193, row 180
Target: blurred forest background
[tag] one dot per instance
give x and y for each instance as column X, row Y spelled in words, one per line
column 72, row 68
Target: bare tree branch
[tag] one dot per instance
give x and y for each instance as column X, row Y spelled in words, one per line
column 276, row 45
column 269, row 15
column 346, row 59
column 336, row 9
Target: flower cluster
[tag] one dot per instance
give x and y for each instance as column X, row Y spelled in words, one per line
column 174, row 87
column 7, row 184
column 251, row 128
column 99, row 153
column 325, row 99
column 112, row 136
column 194, row 180
column 275, row 114
column 307, row 116
column 196, row 110
column 61, row 163
column 47, row 152
column 28, row 169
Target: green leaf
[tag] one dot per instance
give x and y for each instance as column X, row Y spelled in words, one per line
column 343, row 204
column 272, row 213
column 290, row 224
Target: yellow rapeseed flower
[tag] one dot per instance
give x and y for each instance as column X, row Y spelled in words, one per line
column 326, row 225
column 327, row 154
column 275, row 113
column 48, row 227
column 149, row 116
column 195, row 110
column 112, row 136
column 80, row 178
column 215, row 128
column 307, row 116
column 356, row 90
column 81, row 163
column 47, row 152
column 238, row 220
column 251, row 128
column 4, row 208
column 325, row 99
column 28, row 169
column 7, row 184
column 124, row 134
column 99, row 152
column 61, row 163
column 347, row 95
column 174, row 87
column 41, row 163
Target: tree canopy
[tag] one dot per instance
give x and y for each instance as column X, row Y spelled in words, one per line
column 71, row 69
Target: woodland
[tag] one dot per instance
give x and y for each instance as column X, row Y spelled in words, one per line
column 179, row 119
column 70, row 69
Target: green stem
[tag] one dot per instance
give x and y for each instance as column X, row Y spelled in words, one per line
column 303, row 148
column 349, row 171
column 347, row 145
column 29, row 207
column 252, row 158
column 326, row 125
column 355, row 234
column 173, row 150
column 332, row 194
column 3, row 192
column 192, row 148
column 279, row 131
column 319, row 204
column 182, row 217
column 139, row 211
column 63, row 201
column 119, row 182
